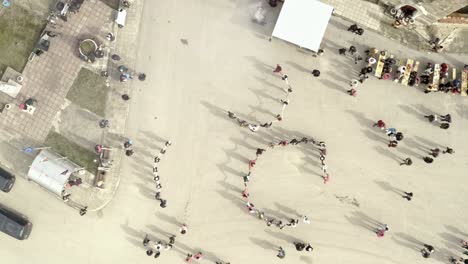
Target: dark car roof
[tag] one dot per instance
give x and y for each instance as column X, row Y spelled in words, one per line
column 12, row 223
column 5, row 178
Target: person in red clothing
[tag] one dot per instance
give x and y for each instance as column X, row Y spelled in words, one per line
column 278, row 69
column 380, row 124
column 198, row 256
column 252, row 163
column 326, row 179
column 245, row 194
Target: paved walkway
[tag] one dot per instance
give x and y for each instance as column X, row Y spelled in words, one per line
column 49, row 77
column 372, row 16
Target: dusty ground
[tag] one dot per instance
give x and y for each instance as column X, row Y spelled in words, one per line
column 227, row 64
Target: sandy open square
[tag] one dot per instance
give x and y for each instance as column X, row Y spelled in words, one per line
column 205, row 57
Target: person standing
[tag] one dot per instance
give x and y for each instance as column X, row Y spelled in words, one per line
column 254, row 128
column 431, row 118
column 428, row 159
column 245, row 194
column 380, row 124
column 146, row 240
column 172, row 239
column 259, row 152
column 198, row 256
column 232, row 115
column 408, row 196
column 305, row 219
column 326, row 179
column 299, row 246
column 252, row 164
column 435, row 152
column 281, row 253
column 267, row 125
column 278, row 69
column 446, row 118
column 183, row 229
column 448, row 150
column 407, row 162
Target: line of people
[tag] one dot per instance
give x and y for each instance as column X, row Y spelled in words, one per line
column 284, row 102
column 272, row 221
column 156, row 176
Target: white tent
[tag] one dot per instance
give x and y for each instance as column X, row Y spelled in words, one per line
column 51, row 171
column 303, row 22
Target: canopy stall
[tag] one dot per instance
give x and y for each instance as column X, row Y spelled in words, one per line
column 303, row 22
column 51, row 171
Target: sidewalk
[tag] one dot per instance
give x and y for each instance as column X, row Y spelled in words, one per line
column 371, row 16
column 117, row 109
column 48, row 79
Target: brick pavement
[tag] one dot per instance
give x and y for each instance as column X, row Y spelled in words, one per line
column 371, row 16
column 49, row 77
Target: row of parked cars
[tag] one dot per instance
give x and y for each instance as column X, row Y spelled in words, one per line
column 11, row 222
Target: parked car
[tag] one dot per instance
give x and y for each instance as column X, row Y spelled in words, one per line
column 14, row 224
column 7, row 180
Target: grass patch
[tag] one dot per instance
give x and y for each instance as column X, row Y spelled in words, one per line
column 89, row 91
column 19, row 33
column 114, row 4
column 79, row 155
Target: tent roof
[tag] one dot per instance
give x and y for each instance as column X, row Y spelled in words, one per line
column 303, row 22
column 51, row 171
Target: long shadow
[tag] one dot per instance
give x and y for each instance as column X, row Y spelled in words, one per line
column 215, row 110
column 298, row 67
column 364, row 221
column 281, row 235
column 230, row 187
column 269, row 84
column 429, row 144
column 362, row 119
column 388, row 187
column 408, row 241
column 415, row 145
column 456, row 230
column 152, row 136
column 264, row 243
column 169, row 219
column 258, row 109
column 134, row 236
column 389, row 153
column 374, row 136
column 260, row 65
column 340, row 78
column 410, row 152
column 410, row 110
column 264, row 94
column 334, row 86
column 287, row 210
column 450, row 240
column 225, row 169
column 146, row 191
column 276, row 214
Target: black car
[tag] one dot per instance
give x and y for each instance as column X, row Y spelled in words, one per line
column 7, row 180
column 14, row 224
